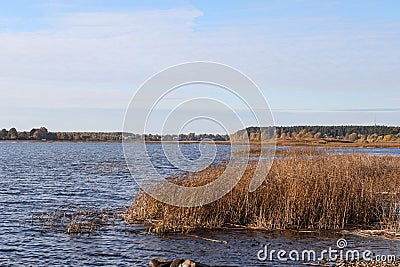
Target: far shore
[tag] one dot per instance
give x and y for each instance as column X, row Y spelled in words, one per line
column 279, row 143
column 338, row 143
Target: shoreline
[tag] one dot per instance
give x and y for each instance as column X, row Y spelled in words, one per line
column 279, row 143
column 338, row 144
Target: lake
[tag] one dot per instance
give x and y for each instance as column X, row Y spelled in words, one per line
column 37, row 177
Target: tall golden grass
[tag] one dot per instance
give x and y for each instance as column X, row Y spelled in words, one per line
column 305, row 189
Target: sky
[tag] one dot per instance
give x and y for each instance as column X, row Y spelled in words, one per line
column 75, row 65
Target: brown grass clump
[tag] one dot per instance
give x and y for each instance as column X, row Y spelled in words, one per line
column 74, row 220
column 255, row 151
column 303, row 190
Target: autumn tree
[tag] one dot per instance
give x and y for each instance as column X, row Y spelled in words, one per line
column 39, row 134
column 388, row 138
column 192, row 136
column 353, row 137
column 3, row 134
column 23, row 135
column 12, row 134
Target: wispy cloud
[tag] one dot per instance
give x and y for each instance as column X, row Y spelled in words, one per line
column 96, row 59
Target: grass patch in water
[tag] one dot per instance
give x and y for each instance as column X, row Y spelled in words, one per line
column 324, row 191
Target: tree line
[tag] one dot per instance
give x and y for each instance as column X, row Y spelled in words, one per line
column 177, row 137
column 43, row 134
column 375, row 133
column 352, row 133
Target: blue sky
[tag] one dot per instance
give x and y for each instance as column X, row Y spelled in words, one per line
column 74, row 65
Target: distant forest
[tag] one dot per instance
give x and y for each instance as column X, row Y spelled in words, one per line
column 371, row 134
column 376, row 133
column 43, row 134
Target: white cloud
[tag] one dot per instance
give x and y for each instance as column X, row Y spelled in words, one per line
column 97, row 59
column 97, row 48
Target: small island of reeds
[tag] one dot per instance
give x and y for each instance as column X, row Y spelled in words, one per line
column 305, row 189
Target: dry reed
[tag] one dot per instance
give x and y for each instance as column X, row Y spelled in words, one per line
column 305, row 189
column 74, row 220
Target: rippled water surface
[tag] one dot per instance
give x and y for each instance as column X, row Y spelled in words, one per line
column 38, row 177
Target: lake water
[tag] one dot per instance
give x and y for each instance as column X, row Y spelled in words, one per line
column 37, row 177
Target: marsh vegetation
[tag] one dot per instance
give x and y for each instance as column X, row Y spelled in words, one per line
column 305, row 189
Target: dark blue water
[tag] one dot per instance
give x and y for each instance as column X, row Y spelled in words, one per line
column 39, row 177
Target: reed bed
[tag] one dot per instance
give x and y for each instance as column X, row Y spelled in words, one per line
column 74, row 220
column 255, row 151
column 305, row 189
